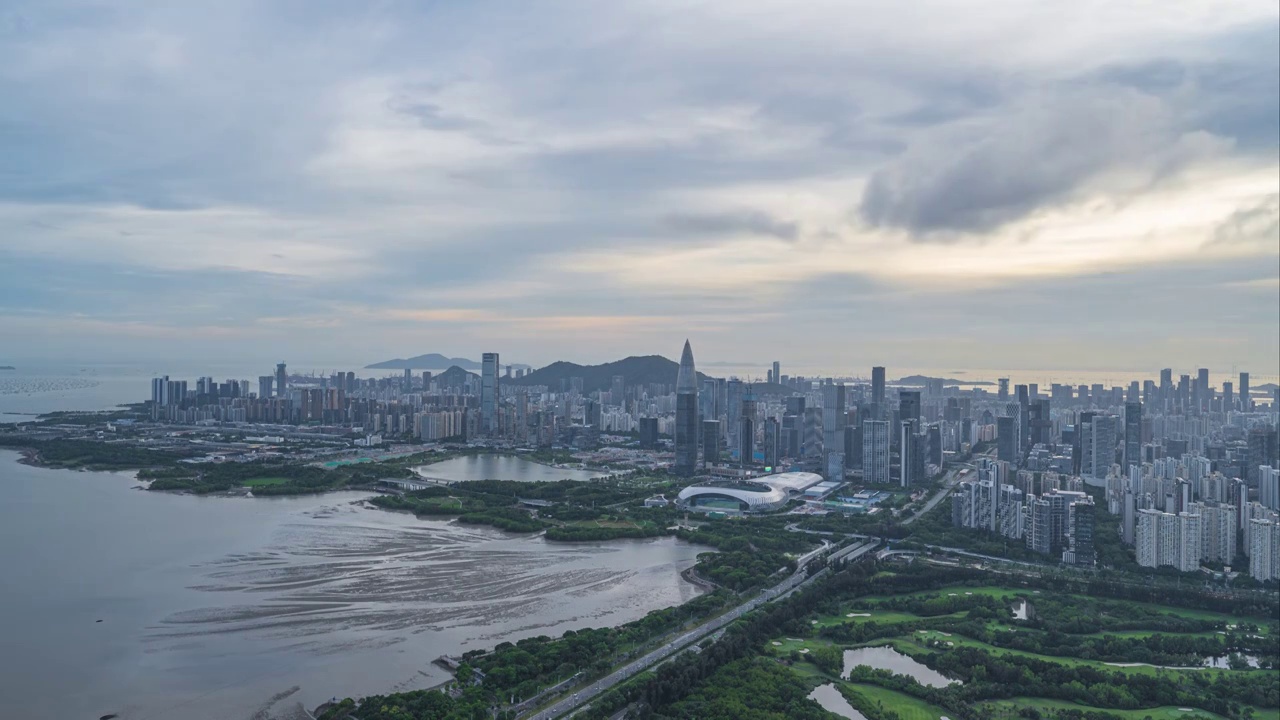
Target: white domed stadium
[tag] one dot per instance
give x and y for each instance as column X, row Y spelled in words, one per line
column 761, row 494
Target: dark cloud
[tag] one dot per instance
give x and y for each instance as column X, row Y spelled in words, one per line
column 1257, row 224
column 980, row 175
column 749, row 222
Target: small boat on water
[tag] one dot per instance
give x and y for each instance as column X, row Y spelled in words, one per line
column 249, row 494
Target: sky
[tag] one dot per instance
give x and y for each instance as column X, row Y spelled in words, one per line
column 1003, row 183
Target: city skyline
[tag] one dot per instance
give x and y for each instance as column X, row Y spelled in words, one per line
column 908, row 196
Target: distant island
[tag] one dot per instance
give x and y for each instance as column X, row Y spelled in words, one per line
column 924, row 379
column 432, row 361
column 7, row 367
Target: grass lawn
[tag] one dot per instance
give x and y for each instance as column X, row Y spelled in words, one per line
column 960, row 590
column 1001, row 709
column 784, row 645
column 265, row 481
column 906, row 706
column 881, row 617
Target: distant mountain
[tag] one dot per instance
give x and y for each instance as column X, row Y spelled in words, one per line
column 638, row 370
column 921, row 380
column 431, row 361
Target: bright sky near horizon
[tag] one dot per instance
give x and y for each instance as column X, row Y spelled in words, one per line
column 1024, row 183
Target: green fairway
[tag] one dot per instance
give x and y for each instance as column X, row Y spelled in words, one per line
column 960, row 591
column 906, row 706
column 263, row 482
column 881, row 617
column 916, row 643
column 784, row 646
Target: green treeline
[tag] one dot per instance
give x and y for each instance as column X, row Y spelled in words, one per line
column 750, row 553
column 749, row 689
column 520, row 670
column 93, row 455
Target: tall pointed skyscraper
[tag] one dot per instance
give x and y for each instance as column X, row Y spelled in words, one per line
column 686, row 414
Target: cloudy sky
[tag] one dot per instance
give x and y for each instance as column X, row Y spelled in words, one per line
column 1003, row 184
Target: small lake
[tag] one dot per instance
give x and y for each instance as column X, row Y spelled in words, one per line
column 887, row 658
column 500, row 467
column 829, row 697
column 1020, row 610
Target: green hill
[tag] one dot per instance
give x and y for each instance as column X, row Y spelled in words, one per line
column 637, row 370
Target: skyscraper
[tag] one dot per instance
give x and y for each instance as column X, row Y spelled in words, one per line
column 777, row 371
column 648, row 433
column 282, row 380
column 1024, row 418
column 1202, row 390
column 686, row 430
column 877, row 390
column 909, row 405
column 908, row 453
column 772, row 442
column 1244, row 392
column 833, row 417
column 707, row 401
column 1007, row 438
column 1040, row 422
column 747, row 430
column 875, row 451
column 710, row 442
column 735, row 391
column 1264, row 549
column 489, row 393
column 616, row 390
column 1102, row 441
column 1269, row 487
column 1132, row 434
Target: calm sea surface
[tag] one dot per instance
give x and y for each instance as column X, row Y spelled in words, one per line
column 243, row 608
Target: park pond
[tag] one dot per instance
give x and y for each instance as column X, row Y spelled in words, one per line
column 829, row 697
column 159, row 605
column 1022, row 610
column 888, row 658
column 500, row 467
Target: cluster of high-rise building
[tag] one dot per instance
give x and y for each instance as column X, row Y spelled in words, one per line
column 1205, row 456
column 452, row 405
column 1050, row 513
column 1188, row 467
column 838, row 429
